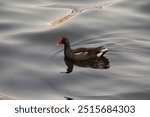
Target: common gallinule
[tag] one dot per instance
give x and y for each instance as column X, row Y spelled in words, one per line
column 80, row 54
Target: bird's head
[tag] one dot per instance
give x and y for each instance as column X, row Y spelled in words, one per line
column 63, row 40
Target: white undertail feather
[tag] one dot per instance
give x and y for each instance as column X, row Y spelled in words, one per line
column 101, row 52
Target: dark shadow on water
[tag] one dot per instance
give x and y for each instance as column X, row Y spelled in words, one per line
column 94, row 63
column 68, row 98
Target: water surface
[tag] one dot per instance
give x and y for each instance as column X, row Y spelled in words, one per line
column 31, row 63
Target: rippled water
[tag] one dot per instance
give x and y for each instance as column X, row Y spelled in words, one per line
column 31, row 63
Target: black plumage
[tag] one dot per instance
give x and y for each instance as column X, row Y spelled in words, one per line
column 81, row 54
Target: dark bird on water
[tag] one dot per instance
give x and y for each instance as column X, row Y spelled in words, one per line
column 80, row 54
column 84, row 57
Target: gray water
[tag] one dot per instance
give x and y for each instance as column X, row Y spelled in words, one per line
column 31, row 63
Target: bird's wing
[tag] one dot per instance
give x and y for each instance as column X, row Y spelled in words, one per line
column 87, row 51
column 78, row 50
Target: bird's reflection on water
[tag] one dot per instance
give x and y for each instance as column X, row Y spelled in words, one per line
column 95, row 63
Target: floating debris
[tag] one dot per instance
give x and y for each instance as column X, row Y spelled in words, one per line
column 62, row 19
column 73, row 12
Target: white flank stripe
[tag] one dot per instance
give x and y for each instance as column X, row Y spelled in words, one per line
column 80, row 53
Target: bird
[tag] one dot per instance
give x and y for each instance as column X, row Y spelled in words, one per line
column 80, row 54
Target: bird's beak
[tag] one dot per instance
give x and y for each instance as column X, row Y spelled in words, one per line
column 57, row 44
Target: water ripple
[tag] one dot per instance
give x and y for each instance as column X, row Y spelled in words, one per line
column 31, row 63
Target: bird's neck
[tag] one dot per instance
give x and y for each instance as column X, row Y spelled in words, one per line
column 67, row 46
column 67, row 49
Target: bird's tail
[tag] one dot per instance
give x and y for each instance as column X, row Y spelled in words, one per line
column 102, row 52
